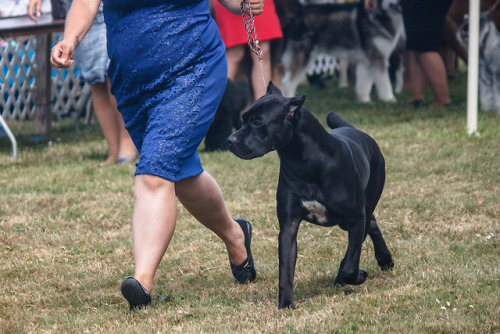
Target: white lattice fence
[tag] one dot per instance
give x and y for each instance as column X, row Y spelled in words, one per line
column 17, row 82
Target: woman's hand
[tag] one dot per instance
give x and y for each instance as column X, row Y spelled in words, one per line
column 78, row 21
column 34, row 6
column 234, row 6
column 256, row 6
column 62, row 54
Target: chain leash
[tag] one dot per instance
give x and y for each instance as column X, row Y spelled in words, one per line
column 253, row 42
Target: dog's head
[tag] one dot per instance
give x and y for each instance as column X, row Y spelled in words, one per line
column 390, row 5
column 485, row 26
column 268, row 125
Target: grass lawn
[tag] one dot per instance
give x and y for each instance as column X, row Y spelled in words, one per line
column 66, row 240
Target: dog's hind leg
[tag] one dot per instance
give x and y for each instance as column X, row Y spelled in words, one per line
column 382, row 253
column 349, row 272
column 364, row 83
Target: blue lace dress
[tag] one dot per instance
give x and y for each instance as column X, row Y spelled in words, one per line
column 168, row 73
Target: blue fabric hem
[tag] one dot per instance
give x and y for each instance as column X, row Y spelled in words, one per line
column 169, row 177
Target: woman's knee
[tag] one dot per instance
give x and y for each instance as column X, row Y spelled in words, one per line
column 193, row 186
column 146, row 183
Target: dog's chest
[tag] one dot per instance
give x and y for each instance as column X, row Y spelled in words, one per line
column 316, row 212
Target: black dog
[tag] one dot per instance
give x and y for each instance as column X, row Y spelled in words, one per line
column 235, row 99
column 326, row 178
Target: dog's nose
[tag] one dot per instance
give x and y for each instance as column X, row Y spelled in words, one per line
column 231, row 140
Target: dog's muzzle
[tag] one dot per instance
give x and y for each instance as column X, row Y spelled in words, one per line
column 231, row 140
column 239, row 149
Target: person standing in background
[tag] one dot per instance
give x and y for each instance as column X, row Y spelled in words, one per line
column 235, row 38
column 92, row 62
column 424, row 23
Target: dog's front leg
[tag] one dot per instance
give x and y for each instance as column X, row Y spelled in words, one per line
column 383, row 83
column 364, row 83
column 349, row 272
column 287, row 250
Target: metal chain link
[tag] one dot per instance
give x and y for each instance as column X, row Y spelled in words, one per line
column 248, row 21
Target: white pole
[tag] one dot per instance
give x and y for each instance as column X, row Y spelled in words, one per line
column 473, row 67
column 11, row 137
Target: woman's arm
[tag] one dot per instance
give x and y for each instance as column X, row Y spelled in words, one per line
column 234, row 6
column 78, row 22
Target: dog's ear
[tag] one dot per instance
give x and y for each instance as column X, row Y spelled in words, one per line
column 272, row 89
column 292, row 106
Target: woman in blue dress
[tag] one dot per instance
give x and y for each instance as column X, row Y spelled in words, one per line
column 168, row 72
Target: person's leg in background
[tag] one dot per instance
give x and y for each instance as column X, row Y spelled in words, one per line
column 418, row 80
column 107, row 119
column 433, row 67
column 111, row 122
column 127, row 151
column 424, row 23
column 258, row 84
column 234, row 56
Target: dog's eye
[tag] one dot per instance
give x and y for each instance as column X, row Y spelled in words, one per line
column 256, row 122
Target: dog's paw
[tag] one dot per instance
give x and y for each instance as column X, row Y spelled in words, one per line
column 288, row 306
column 385, row 262
column 358, row 279
column 339, row 282
column 362, row 275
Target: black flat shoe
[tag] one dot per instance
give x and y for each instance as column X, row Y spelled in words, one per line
column 245, row 272
column 418, row 103
column 136, row 295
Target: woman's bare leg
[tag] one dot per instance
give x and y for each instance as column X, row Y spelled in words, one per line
column 154, row 219
column 153, row 224
column 202, row 197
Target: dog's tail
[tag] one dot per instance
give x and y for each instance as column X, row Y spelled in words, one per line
column 335, row 121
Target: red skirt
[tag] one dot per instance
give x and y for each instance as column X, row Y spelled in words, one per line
column 232, row 29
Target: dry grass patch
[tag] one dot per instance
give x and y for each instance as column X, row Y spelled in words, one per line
column 65, row 236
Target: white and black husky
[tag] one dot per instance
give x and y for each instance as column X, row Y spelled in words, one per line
column 489, row 62
column 344, row 31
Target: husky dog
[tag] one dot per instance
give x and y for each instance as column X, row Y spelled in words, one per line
column 344, row 31
column 489, row 62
